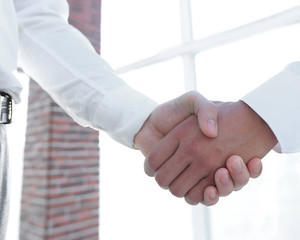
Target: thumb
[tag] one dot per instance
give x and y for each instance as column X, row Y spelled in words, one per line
column 166, row 116
column 206, row 112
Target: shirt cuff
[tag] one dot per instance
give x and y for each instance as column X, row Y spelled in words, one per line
column 126, row 110
column 277, row 101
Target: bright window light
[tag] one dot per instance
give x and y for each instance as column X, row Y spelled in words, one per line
column 132, row 205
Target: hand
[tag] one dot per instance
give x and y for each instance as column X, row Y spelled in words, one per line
column 241, row 131
column 168, row 115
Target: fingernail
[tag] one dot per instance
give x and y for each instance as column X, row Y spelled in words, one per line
column 224, row 180
column 237, row 165
column 213, row 195
column 257, row 170
column 212, row 125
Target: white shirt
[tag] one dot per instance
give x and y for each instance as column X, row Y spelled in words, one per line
column 65, row 64
column 277, row 101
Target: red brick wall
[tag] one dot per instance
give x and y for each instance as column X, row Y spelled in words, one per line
column 60, row 192
column 85, row 16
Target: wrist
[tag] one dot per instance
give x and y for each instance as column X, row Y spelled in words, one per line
column 147, row 137
column 270, row 138
column 139, row 139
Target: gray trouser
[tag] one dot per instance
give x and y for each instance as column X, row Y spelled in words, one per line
column 4, row 181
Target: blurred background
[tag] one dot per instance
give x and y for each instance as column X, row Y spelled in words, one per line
column 132, row 206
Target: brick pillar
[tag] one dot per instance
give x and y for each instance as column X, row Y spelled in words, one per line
column 60, row 192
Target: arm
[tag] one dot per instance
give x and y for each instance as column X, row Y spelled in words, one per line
column 9, row 51
column 277, row 101
column 65, row 64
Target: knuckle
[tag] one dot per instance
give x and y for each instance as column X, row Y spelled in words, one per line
column 176, row 191
column 212, row 107
column 161, row 180
column 152, row 161
column 193, row 199
column 191, row 95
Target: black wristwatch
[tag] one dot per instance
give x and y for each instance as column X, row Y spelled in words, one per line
column 6, row 108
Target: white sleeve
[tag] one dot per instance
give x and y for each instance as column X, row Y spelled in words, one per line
column 8, row 50
column 277, row 101
column 65, row 64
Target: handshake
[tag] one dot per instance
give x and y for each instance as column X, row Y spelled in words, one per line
column 202, row 150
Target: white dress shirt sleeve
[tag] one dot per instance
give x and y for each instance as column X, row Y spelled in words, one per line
column 8, row 50
column 65, row 64
column 277, row 101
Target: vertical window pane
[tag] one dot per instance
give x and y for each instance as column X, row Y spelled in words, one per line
column 133, row 206
column 135, row 29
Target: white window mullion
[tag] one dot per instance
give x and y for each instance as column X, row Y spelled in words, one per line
column 282, row 19
column 200, row 214
column 187, row 36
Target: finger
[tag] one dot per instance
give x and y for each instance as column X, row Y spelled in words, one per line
column 223, row 182
column 238, row 172
column 195, row 195
column 186, row 180
column 211, row 196
column 162, row 152
column 148, row 169
column 255, row 167
column 168, row 115
column 172, row 169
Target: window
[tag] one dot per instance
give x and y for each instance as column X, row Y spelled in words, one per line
column 132, row 205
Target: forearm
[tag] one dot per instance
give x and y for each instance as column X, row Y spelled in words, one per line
column 65, row 64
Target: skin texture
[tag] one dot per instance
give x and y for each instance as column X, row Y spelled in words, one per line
column 165, row 118
column 168, row 115
column 185, row 161
column 232, row 178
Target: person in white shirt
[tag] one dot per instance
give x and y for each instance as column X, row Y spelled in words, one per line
column 36, row 34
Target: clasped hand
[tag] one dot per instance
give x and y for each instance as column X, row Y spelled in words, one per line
column 199, row 149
